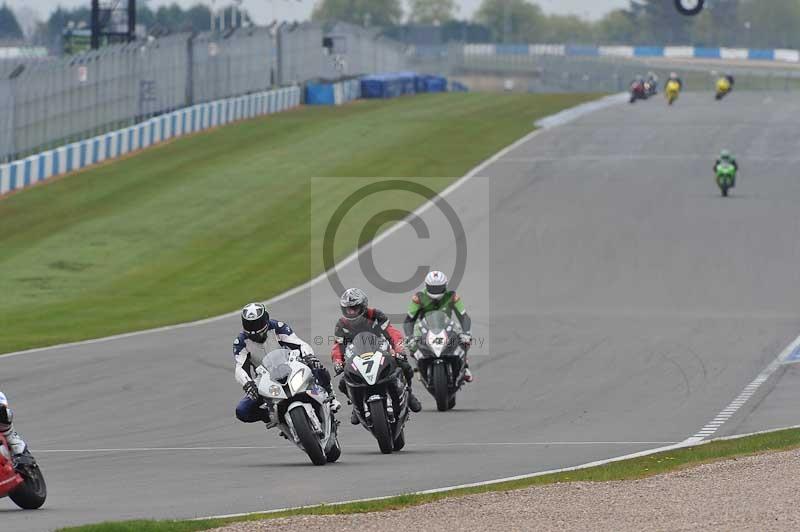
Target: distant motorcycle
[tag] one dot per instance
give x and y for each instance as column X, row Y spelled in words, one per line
column 377, row 389
column 726, row 177
column 651, row 88
column 724, row 87
column 672, row 90
column 638, row 91
column 20, row 478
column 298, row 405
column 440, row 358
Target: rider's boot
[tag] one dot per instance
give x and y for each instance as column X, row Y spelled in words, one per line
column 468, row 375
column 354, row 417
column 413, row 403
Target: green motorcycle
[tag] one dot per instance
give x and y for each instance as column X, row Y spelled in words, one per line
column 726, row 177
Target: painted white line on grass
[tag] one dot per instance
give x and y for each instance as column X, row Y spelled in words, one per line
column 749, row 391
column 354, row 446
column 546, row 123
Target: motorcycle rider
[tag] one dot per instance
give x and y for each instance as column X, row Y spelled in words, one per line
column 15, row 441
column 357, row 317
column 256, row 325
column 727, row 157
column 673, row 76
column 436, row 296
column 652, row 81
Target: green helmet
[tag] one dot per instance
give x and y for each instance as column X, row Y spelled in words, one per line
column 725, row 155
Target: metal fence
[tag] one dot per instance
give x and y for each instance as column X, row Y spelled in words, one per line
column 47, row 103
column 350, row 50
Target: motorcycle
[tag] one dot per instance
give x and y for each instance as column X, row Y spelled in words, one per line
column 20, row 478
column 377, row 390
column 651, row 88
column 638, row 91
column 298, row 405
column 440, row 358
column 723, row 88
column 726, row 177
column 672, row 90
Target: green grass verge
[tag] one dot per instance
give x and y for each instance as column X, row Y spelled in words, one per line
column 199, row 226
column 623, row 470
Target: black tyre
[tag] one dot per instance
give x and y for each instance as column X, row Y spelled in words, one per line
column 441, row 387
column 451, row 403
column 724, row 192
column 400, row 441
column 380, row 427
column 308, row 438
column 32, row 493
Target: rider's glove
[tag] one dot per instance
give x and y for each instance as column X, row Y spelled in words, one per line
column 251, row 390
column 465, row 339
column 338, row 368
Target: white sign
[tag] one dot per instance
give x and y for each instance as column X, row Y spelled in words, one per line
column 83, row 74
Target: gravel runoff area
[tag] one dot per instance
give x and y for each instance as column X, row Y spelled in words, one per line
column 753, row 493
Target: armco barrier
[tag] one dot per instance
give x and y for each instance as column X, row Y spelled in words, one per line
column 23, row 173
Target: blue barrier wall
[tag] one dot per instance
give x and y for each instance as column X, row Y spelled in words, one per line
column 713, row 53
column 19, row 174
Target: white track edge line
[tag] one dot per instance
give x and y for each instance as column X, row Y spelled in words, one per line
column 583, row 108
column 744, row 396
column 640, row 454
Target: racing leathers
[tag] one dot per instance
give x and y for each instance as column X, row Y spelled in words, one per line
column 422, row 303
column 14, row 440
column 245, row 349
column 376, row 322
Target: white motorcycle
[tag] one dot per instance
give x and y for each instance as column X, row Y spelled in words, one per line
column 298, row 405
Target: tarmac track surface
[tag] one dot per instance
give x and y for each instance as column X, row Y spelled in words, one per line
column 620, row 301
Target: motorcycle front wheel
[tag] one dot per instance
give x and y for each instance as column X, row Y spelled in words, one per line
column 32, row 493
column 308, row 438
column 380, row 427
column 441, row 387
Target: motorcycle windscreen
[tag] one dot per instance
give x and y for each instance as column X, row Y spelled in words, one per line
column 367, row 342
column 437, row 321
column 277, row 364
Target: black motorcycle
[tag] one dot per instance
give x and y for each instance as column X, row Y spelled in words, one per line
column 441, row 359
column 377, row 389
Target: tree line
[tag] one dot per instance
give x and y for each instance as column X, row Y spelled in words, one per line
column 745, row 23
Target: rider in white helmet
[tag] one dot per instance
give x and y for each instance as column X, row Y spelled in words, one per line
column 436, row 296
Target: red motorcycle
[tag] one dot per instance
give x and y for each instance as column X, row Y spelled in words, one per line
column 20, row 478
column 638, row 91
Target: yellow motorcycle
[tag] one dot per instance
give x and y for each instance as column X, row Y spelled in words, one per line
column 723, row 88
column 672, row 91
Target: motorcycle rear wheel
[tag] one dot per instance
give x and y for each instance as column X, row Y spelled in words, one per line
column 380, row 427
column 308, row 437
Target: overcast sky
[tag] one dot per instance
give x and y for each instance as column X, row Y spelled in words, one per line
column 266, row 10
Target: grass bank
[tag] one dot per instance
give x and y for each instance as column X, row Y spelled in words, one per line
column 623, row 470
column 196, row 227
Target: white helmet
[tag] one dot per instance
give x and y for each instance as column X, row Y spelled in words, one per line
column 435, row 284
